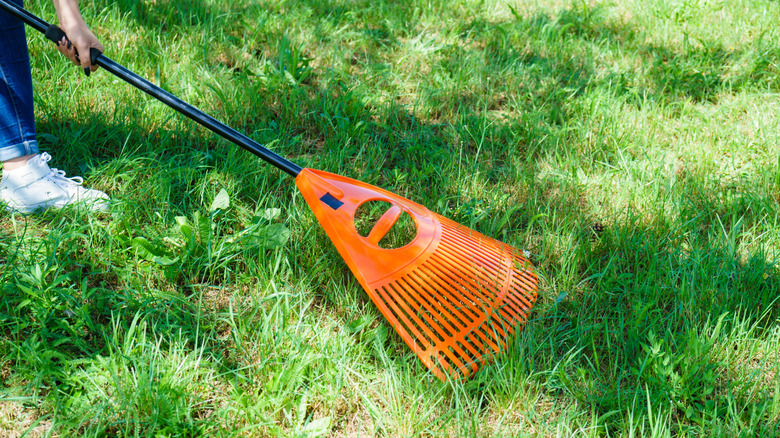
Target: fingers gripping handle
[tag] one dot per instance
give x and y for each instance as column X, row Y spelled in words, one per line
column 55, row 35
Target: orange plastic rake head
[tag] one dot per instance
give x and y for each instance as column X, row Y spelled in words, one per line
column 454, row 295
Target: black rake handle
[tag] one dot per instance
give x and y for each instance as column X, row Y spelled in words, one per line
column 55, row 34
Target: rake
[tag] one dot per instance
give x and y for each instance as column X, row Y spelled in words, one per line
column 455, row 296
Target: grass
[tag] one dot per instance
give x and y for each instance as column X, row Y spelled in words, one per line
column 631, row 147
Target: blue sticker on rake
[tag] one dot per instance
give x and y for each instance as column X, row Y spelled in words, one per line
column 331, row 201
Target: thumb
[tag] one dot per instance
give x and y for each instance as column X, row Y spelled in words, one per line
column 86, row 56
column 85, row 42
column 98, row 49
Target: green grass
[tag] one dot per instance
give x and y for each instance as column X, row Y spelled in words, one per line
column 631, row 147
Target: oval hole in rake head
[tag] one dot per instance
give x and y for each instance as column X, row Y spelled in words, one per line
column 401, row 233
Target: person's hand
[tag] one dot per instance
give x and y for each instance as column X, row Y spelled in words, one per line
column 81, row 40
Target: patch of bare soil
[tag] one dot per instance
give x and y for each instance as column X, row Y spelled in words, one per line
column 16, row 419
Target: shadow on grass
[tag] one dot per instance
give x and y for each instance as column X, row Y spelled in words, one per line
column 679, row 313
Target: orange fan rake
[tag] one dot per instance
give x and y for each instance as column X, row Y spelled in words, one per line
column 454, row 295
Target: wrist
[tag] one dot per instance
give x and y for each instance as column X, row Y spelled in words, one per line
column 72, row 24
column 68, row 15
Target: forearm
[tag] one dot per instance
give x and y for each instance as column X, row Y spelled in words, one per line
column 68, row 14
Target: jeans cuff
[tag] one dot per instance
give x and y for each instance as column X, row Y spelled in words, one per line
column 29, row 147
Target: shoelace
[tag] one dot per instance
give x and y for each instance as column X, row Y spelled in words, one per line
column 59, row 175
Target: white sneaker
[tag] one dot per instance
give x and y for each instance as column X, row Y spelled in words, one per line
column 36, row 186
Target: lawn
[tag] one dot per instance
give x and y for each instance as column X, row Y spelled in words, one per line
column 632, row 148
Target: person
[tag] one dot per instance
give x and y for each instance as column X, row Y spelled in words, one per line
column 28, row 183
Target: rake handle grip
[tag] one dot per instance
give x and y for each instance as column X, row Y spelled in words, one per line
column 167, row 98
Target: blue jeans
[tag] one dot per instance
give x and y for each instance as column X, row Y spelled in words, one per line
column 17, row 118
